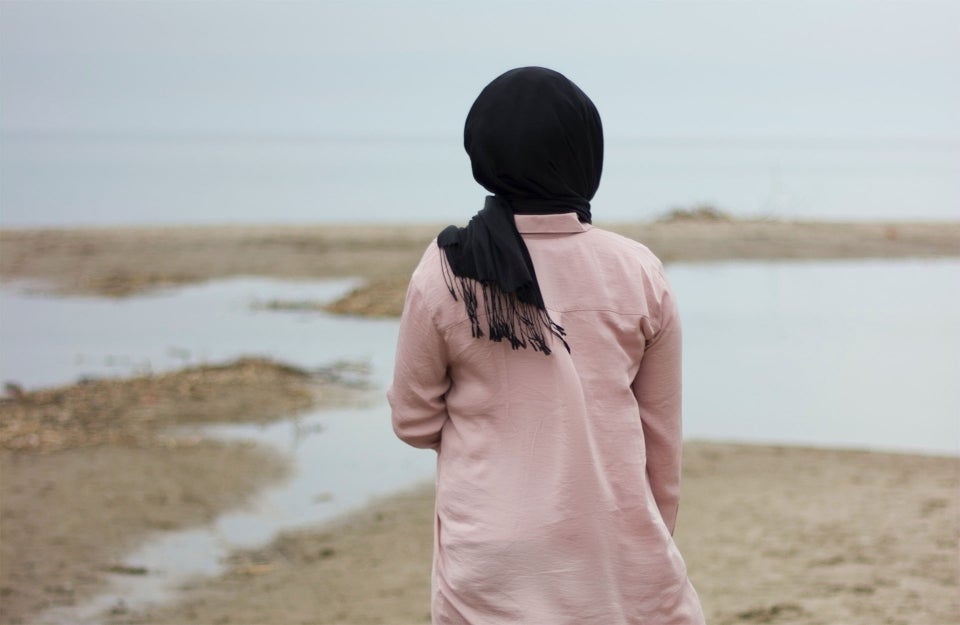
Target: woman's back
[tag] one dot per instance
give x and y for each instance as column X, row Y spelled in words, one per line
column 545, row 512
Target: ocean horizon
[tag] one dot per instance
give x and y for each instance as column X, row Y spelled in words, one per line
column 77, row 179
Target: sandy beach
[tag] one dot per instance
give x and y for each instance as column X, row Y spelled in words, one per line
column 123, row 261
column 770, row 534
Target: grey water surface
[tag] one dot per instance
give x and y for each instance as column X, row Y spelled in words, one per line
column 55, row 180
column 860, row 354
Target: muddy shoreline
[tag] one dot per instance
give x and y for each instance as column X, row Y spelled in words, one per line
column 124, row 261
column 88, row 471
column 771, row 534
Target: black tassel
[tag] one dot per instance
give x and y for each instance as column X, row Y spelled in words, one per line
column 508, row 317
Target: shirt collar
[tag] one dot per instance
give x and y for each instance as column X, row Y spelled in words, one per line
column 556, row 223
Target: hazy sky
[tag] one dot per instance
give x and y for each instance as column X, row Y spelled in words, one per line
column 668, row 69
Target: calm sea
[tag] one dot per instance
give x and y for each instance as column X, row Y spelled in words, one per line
column 57, row 180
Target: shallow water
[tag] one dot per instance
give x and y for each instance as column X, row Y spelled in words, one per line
column 341, row 458
column 861, row 354
column 848, row 353
column 49, row 340
column 855, row 354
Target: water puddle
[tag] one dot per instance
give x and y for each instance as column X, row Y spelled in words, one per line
column 49, row 340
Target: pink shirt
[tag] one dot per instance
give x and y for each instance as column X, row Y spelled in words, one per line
column 557, row 476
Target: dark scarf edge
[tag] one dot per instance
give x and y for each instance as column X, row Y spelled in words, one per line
column 521, row 317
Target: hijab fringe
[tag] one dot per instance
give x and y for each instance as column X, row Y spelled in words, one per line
column 508, row 316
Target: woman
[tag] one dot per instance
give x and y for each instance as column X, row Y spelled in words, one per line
column 540, row 357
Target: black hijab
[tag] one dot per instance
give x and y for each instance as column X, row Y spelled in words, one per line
column 535, row 141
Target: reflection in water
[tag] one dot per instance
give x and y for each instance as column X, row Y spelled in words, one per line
column 852, row 354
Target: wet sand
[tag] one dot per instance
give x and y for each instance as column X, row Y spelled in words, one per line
column 88, row 471
column 771, row 535
column 69, row 517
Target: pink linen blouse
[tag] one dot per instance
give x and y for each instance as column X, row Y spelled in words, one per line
column 557, row 476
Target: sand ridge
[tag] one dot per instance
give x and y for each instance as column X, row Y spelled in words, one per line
column 124, row 261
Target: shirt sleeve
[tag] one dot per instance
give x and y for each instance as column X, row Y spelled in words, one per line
column 420, row 380
column 657, row 388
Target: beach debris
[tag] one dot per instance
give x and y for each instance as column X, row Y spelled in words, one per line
column 13, row 390
column 119, row 608
column 290, row 305
column 65, row 588
column 302, row 430
column 181, row 353
column 772, row 614
column 697, row 212
column 351, row 373
column 127, row 569
column 255, row 569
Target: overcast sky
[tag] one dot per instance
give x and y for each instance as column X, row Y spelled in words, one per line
column 836, row 69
